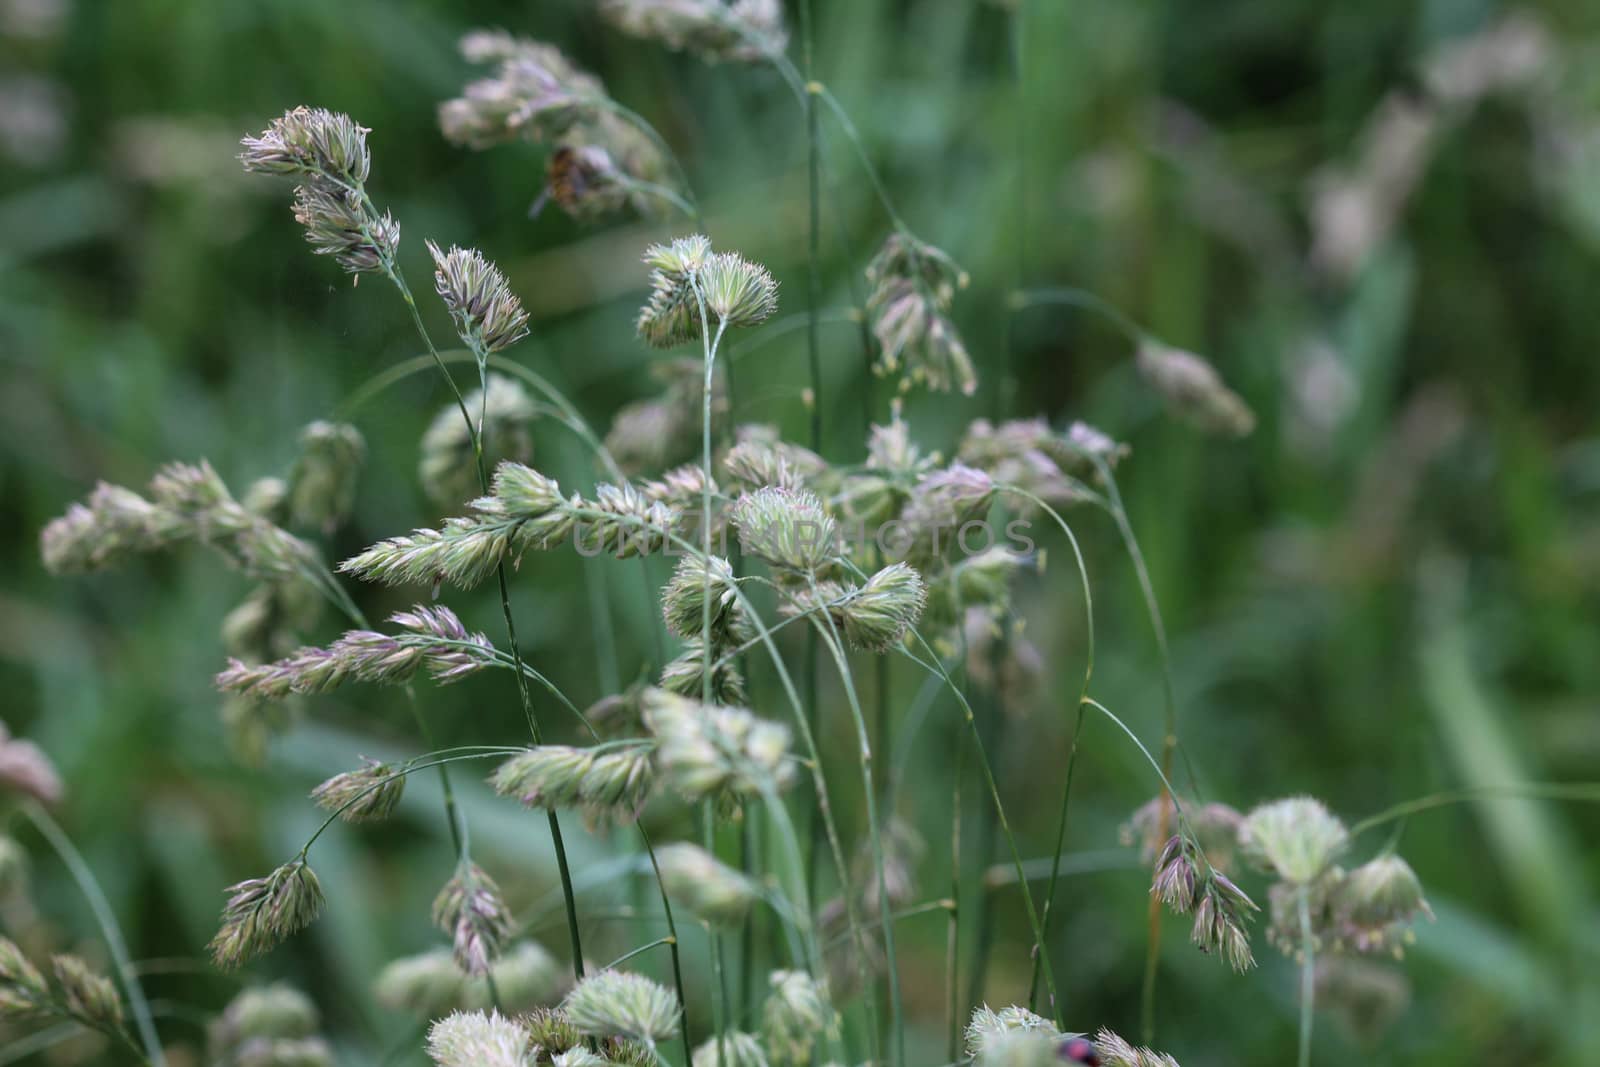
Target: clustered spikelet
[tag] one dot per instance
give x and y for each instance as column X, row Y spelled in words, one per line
column 1028, row 454
column 87, row 995
column 715, row 30
column 760, row 459
column 913, row 286
column 629, row 523
column 448, row 466
column 535, row 93
column 705, row 749
column 609, row 782
column 469, row 908
column 270, row 1026
column 735, row 1048
column 328, row 151
column 1012, row 1035
column 686, row 273
column 619, row 1004
column 683, row 601
column 787, row 528
column 1117, row 1052
column 708, row 888
column 685, row 673
column 488, row 315
column 523, row 510
column 1193, row 390
column 1366, row 910
column 1297, row 839
column 1376, row 903
column 434, row 639
column 430, row 984
column 26, row 771
column 338, row 223
column 367, row 795
column 261, row 912
column 1220, row 907
column 877, row 616
column 24, row 993
column 187, row 502
column 737, row 292
column 321, row 489
column 310, row 142
column 795, row 1015
column 477, row 1039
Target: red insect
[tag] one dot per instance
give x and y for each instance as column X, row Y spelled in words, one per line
column 1079, row 1050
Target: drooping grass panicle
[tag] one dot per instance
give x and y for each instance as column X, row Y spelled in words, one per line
column 478, row 1039
column 187, row 502
column 261, row 912
column 26, row 771
column 87, row 994
column 876, row 617
column 1193, row 390
column 1375, row 905
column 369, row 794
column 715, row 30
column 705, row 749
column 488, row 316
column 613, row 1003
column 600, row 158
column 685, row 673
column 434, row 639
column 470, row 909
column 607, row 783
column 913, row 285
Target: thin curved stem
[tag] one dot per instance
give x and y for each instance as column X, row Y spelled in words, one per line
column 118, row 947
column 1308, row 975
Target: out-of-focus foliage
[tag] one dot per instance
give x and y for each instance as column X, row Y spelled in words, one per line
column 1388, row 243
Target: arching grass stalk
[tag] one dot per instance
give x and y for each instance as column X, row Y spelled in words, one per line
column 138, row 1006
column 1077, row 726
column 1576, row 791
column 831, row 638
column 392, row 270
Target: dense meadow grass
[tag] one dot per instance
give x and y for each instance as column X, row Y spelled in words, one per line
column 1146, row 584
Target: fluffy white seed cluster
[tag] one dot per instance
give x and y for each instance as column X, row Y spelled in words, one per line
column 619, row 1004
column 477, row 1039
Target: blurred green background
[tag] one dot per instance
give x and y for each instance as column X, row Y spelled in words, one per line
column 1390, row 588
